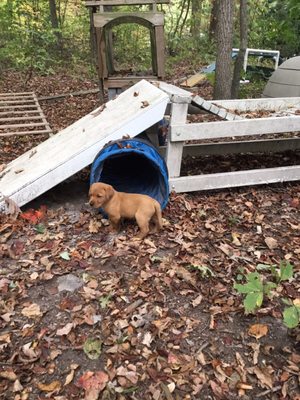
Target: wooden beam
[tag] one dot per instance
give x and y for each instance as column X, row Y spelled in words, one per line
column 160, row 50
column 175, row 149
column 267, row 104
column 3, row 102
column 16, row 106
column 238, row 128
column 22, row 112
column 221, row 148
column 16, row 94
column 95, row 3
column 235, row 179
column 20, row 133
column 21, row 125
column 20, row 119
column 144, row 18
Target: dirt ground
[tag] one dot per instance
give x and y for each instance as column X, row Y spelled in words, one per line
column 85, row 313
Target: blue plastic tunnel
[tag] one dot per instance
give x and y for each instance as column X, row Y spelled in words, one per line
column 132, row 166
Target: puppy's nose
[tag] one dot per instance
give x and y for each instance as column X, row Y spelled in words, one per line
column 91, row 203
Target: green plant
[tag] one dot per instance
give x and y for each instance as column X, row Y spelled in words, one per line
column 291, row 314
column 283, row 273
column 255, row 290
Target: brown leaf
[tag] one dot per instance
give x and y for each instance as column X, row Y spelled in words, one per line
column 70, row 376
column 49, row 387
column 32, row 311
column 258, row 330
column 65, row 330
column 264, row 376
column 271, row 243
column 8, row 374
column 145, row 104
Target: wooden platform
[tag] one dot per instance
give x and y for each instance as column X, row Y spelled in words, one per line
column 75, row 147
column 21, row 114
column 284, row 118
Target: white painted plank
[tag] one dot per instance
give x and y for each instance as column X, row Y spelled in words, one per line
column 246, row 127
column 174, row 149
column 266, row 104
column 235, row 179
column 238, row 147
column 176, row 94
column 75, row 147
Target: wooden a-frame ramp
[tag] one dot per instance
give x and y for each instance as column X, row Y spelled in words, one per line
column 75, row 147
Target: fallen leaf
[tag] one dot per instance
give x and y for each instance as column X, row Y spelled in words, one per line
column 258, row 330
column 49, row 387
column 92, row 348
column 271, row 243
column 32, row 311
column 65, row 330
column 197, row 300
column 8, row 374
column 147, row 340
column 264, row 377
column 93, row 383
column 70, row 376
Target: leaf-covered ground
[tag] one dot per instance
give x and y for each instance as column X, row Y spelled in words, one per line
column 85, row 313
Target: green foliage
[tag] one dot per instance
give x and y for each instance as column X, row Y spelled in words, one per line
column 104, row 300
column 255, row 290
column 28, row 40
column 283, row 273
column 291, row 316
column 92, row 348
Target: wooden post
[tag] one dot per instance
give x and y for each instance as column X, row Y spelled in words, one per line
column 175, row 149
column 160, row 50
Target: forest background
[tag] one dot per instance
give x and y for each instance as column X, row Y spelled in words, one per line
column 44, row 36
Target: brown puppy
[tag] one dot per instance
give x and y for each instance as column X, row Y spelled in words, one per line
column 119, row 205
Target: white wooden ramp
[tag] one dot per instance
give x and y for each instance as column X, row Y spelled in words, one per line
column 75, row 147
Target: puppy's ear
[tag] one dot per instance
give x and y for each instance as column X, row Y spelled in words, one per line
column 109, row 191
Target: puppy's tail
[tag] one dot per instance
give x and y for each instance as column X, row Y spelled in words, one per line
column 158, row 217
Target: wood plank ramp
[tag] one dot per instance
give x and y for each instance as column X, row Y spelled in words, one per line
column 75, row 147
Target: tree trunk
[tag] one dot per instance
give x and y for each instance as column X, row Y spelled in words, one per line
column 55, row 24
column 196, row 19
column 224, row 38
column 213, row 19
column 243, row 46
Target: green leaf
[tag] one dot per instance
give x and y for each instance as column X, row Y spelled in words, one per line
column 39, row 228
column 239, row 277
column 288, row 302
column 92, row 348
column 252, row 301
column 250, row 287
column 269, row 286
column 291, row 316
column 286, row 271
column 104, row 300
column 131, row 389
column 65, row 255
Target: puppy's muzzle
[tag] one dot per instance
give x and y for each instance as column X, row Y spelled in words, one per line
column 91, row 202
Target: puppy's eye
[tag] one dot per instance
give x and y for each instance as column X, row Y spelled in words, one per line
column 99, row 195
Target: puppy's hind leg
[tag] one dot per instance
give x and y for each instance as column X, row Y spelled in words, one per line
column 157, row 218
column 143, row 223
